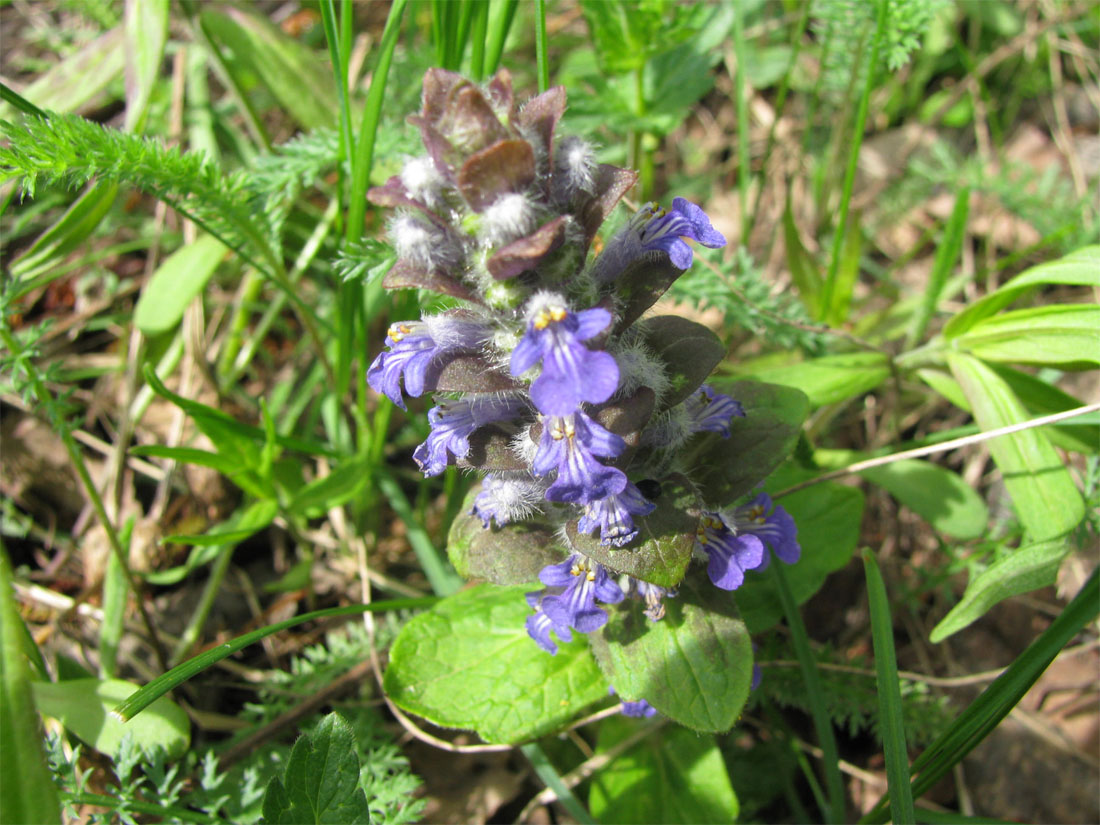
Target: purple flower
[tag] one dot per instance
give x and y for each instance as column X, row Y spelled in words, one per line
column 613, row 515
column 729, row 554
column 575, row 585
column 539, row 625
column 653, row 229
column 652, row 594
column 570, row 444
column 637, row 710
column 453, row 422
column 571, row 372
column 712, row 411
column 506, row 499
column 757, row 677
column 774, row 526
column 414, row 346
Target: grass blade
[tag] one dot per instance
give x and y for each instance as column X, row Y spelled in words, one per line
column 549, row 776
column 814, row 694
column 996, row 701
column 502, row 13
column 442, row 578
column 891, row 726
column 175, row 677
column 541, row 60
column 946, row 255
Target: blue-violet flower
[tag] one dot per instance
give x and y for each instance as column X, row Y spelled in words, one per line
column 570, row 444
column 729, row 554
column 453, row 422
column 414, row 347
column 571, row 372
column 613, row 515
column 769, row 522
column 712, row 411
column 575, row 585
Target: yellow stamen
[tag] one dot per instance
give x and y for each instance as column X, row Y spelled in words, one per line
column 542, row 319
column 557, row 313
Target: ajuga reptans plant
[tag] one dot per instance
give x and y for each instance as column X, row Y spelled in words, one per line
column 547, row 379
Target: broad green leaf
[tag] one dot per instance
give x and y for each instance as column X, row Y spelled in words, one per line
column 1063, row 335
column 694, row 665
column 27, row 792
column 936, row 494
column 689, row 352
column 1079, row 268
column 181, row 277
column 146, row 29
column 1044, row 495
column 255, row 517
column 830, row 379
column 321, row 780
column 805, row 272
column 662, row 550
column 78, row 79
column 289, row 70
column 827, row 516
column 727, row 468
column 346, row 481
column 1081, row 434
column 469, row 663
column 1023, row 570
column 84, row 706
column 512, row 554
column 36, row 267
column 673, row 776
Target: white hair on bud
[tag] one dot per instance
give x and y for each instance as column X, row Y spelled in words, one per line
column 575, row 166
column 422, row 180
column 449, row 332
column 510, row 217
column 424, row 243
column 524, row 447
column 639, row 367
column 517, row 494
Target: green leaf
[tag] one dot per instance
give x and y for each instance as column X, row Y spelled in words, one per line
column 321, row 780
column 297, row 80
column 979, row 719
column 84, row 706
column 1023, row 570
column 255, row 517
column 689, row 351
column 1079, row 268
column 79, row 78
column 1081, row 434
column 674, row 776
column 469, row 663
column 27, row 792
column 847, row 274
column 727, row 468
column 1066, row 336
column 38, row 266
column 662, row 550
column 188, row 455
column 936, row 494
column 891, row 724
column 512, row 554
column 805, row 272
column 146, row 28
column 181, row 277
column 1042, row 491
column 946, row 255
column 694, row 665
column 346, row 481
column 830, row 379
column 828, row 517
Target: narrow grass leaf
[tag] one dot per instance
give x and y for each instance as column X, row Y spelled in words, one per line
column 804, row 270
column 847, row 273
column 79, row 79
column 830, row 379
column 830, row 759
column 252, row 519
column 947, row 253
column 28, row 793
column 891, row 724
column 550, row 777
column 1045, row 497
column 146, row 26
column 1025, row 569
column 441, row 576
column 979, row 719
column 501, row 15
column 175, row 677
